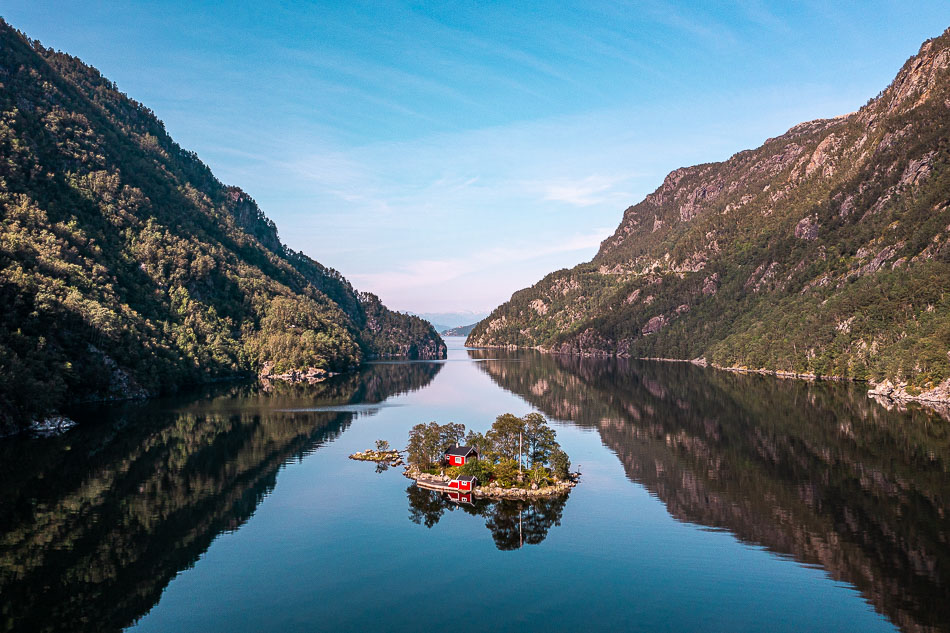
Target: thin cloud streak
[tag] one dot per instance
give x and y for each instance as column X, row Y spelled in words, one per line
column 420, row 278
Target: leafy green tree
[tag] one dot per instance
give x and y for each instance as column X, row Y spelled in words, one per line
column 538, row 474
column 382, row 446
column 423, row 444
column 506, row 472
column 540, row 439
column 429, row 442
column 451, row 434
column 506, row 436
column 560, row 464
column 480, row 443
column 480, row 468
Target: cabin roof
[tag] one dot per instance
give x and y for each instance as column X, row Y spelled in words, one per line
column 462, row 451
column 466, row 478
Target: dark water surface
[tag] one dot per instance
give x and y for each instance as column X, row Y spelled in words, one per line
column 709, row 501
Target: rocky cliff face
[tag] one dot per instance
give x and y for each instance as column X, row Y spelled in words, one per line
column 824, row 251
column 127, row 269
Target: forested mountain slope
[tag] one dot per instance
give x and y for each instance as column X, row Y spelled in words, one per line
column 825, row 251
column 127, row 268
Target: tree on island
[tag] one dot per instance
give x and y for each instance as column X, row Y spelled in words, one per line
column 514, row 451
column 428, row 442
column 560, row 463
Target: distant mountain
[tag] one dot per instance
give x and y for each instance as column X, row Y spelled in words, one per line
column 463, row 330
column 825, row 251
column 447, row 320
column 128, row 269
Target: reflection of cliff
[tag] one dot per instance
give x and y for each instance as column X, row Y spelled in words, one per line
column 513, row 523
column 94, row 524
column 816, row 471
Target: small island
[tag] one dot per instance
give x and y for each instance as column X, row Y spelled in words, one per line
column 383, row 455
column 515, row 458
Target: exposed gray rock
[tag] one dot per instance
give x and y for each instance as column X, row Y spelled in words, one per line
column 310, row 375
column 917, row 170
column 51, row 426
column 654, row 325
column 807, row 228
column 711, row 284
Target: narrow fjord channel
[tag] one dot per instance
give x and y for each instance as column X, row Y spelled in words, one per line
column 708, row 501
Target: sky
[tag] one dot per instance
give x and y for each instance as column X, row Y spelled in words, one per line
column 446, row 154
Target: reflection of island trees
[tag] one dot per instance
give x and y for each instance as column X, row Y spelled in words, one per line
column 513, row 522
column 94, row 524
column 818, row 471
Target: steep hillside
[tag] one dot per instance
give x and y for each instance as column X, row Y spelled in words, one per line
column 127, row 268
column 824, row 251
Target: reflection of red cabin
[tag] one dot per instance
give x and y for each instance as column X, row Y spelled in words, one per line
column 459, row 455
column 464, row 483
column 460, row 497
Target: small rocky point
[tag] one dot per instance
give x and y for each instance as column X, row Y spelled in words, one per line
column 51, row 426
column 393, row 457
column 310, row 375
column 899, row 392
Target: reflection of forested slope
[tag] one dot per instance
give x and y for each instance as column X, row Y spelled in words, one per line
column 155, row 488
column 817, row 471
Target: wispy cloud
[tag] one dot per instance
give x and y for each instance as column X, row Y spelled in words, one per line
column 594, row 189
column 461, row 220
column 481, row 279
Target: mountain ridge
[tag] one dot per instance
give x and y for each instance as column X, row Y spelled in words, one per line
column 825, row 251
column 127, row 269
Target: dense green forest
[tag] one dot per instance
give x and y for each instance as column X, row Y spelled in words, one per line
column 824, row 251
column 128, row 269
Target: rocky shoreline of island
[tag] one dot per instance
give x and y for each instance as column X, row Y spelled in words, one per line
column 493, row 490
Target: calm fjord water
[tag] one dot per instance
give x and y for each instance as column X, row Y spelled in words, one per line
column 709, row 501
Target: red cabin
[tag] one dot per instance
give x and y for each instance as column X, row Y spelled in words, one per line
column 459, row 455
column 464, row 483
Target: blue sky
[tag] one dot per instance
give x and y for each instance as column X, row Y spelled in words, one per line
column 444, row 155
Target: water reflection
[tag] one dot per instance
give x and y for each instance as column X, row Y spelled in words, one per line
column 94, row 524
column 512, row 523
column 816, row 471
